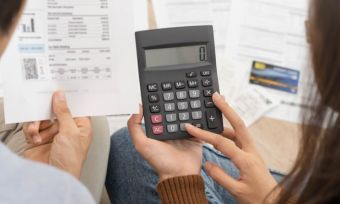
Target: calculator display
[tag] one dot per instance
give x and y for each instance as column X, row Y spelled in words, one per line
column 176, row 56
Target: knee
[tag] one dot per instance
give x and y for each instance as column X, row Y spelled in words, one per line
column 120, row 141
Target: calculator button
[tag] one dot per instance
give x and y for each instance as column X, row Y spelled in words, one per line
column 212, row 119
column 193, row 83
column 198, row 125
column 169, row 107
column 196, row 115
column 191, row 74
column 194, row 93
column 183, row 116
column 153, row 98
column 155, row 108
column 182, row 105
column 181, row 95
column 157, row 130
column 206, row 73
column 169, row 96
column 180, row 85
column 172, row 128
column 209, row 103
column 207, row 82
column 152, row 87
column 166, row 86
column 182, row 127
column 156, row 119
column 195, row 104
column 171, row 118
column 208, row 92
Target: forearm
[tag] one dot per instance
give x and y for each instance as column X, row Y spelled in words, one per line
column 182, row 190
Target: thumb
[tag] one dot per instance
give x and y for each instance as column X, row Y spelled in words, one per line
column 61, row 111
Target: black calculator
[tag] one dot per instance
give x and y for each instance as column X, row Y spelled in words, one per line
column 178, row 76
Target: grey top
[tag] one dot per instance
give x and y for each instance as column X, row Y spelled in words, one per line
column 23, row 181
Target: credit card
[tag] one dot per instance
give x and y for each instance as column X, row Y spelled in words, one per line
column 275, row 77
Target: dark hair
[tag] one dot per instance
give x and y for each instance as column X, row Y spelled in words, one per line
column 8, row 11
column 315, row 177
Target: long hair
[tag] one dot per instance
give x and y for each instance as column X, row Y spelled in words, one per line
column 315, row 178
column 9, row 9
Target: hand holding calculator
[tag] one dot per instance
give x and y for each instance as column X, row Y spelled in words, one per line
column 178, row 76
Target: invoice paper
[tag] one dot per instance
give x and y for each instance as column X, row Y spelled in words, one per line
column 273, row 32
column 84, row 47
column 177, row 13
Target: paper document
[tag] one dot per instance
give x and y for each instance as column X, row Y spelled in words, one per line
column 253, row 104
column 84, row 47
column 177, row 13
column 273, row 32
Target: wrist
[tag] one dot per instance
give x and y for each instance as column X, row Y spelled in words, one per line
column 164, row 177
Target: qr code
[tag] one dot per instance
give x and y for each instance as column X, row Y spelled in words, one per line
column 30, row 68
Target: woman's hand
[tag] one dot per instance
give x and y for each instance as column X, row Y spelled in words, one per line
column 171, row 158
column 255, row 182
column 63, row 143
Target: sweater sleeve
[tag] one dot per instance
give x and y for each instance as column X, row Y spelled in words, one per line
column 182, row 190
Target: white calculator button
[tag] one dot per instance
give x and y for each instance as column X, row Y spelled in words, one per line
column 169, row 96
column 183, row 116
column 169, row 107
column 183, row 105
column 181, row 95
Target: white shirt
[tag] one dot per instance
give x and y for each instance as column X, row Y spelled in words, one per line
column 24, row 181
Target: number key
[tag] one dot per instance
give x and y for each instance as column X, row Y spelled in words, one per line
column 172, row 128
column 194, row 93
column 195, row 104
column 181, row 95
column 169, row 107
column 169, row 96
column 183, row 116
column 182, row 105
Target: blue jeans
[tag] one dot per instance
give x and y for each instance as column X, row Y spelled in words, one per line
column 130, row 179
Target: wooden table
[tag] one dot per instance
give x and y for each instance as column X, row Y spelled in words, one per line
column 277, row 141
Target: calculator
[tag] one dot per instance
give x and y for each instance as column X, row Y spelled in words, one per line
column 178, row 76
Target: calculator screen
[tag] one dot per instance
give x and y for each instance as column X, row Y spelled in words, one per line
column 161, row 57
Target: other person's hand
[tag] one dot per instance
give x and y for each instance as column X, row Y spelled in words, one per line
column 171, row 158
column 63, row 143
column 255, row 182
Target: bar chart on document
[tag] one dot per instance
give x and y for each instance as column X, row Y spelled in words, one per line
column 66, row 34
column 75, row 46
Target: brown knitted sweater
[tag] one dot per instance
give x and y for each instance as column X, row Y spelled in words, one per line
column 182, row 190
column 186, row 190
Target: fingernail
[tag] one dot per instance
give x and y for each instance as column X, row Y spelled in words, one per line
column 60, row 96
column 208, row 166
column 36, row 139
column 186, row 125
column 32, row 126
column 216, row 94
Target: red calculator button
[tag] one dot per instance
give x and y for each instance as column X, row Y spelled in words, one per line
column 157, row 130
column 156, row 119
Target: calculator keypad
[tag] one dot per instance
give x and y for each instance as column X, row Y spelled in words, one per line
column 181, row 102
